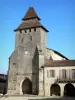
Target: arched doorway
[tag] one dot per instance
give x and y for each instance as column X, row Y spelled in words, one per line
column 27, row 86
column 69, row 90
column 55, row 90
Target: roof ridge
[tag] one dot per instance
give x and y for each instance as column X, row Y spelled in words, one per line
column 30, row 14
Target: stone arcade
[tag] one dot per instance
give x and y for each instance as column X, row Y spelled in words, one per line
column 35, row 69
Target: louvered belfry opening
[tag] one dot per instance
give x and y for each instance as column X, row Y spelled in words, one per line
column 30, row 20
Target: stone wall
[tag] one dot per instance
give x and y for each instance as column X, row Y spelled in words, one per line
column 21, row 61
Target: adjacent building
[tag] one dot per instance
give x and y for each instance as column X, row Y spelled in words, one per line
column 3, row 84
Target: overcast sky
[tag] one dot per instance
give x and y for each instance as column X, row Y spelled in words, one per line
column 58, row 16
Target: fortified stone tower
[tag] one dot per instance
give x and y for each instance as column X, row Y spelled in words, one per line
column 23, row 74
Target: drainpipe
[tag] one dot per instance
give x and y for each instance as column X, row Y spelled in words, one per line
column 43, row 81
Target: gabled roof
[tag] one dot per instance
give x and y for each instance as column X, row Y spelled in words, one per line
column 30, row 24
column 61, row 63
column 58, row 53
column 30, row 14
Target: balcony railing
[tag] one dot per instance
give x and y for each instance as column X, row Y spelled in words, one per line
column 65, row 80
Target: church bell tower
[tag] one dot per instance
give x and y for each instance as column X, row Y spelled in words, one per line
column 29, row 34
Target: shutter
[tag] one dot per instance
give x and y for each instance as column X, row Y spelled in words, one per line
column 60, row 74
column 70, row 73
column 67, row 74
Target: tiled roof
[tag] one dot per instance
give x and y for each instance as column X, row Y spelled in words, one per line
column 30, row 20
column 56, row 63
column 30, row 14
column 30, row 24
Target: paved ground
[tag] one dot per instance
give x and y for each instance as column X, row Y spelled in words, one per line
column 34, row 98
column 55, row 99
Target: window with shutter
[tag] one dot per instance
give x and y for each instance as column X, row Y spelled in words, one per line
column 51, row 73
column 64, row 73
column 73, row 73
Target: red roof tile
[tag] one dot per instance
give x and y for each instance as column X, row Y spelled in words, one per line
column 56, row 63
column 30, row 24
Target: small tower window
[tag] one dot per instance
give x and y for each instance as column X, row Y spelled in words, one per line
column 25, row 31
column 22, row 40
column 26, row 52
column 31, row 38
column 35, row 29
column 14, row 63
column 29, row 30
column 20, row 31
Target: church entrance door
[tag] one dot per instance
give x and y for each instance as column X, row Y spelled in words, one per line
column 27, row 86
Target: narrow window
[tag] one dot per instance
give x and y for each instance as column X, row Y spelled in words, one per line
column 48, row 73
column 52, row 73
column 14, row 63
column 31, row 38
column 60, row 74
column 64, row 73
column 73, row 73
column 26, row 52
column 22, row 40
column 20, row 31
column 25, row 31
column 29, row 30
column 35, row 29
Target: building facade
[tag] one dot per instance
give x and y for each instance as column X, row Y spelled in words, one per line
column 35, row 69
